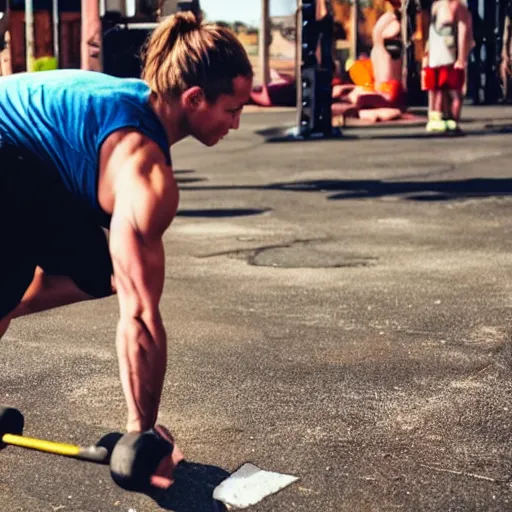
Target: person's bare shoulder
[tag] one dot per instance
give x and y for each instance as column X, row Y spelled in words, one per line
column 130, row 143
column 143, row 176
column 462, row 13
column 128, row 157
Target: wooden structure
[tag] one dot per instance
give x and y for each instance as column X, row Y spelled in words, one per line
column 43, row 38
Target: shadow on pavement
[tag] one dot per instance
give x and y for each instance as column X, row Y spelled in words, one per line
column 411, row 190
column 221, row 212
column 189, row 180
column 193, row 486
column 445, row 190
column 398, row 132
column 193, row 489
column 466, row 132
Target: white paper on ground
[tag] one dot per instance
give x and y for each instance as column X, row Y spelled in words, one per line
column 248, row 485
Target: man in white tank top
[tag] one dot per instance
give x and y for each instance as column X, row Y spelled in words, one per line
column 450, row 40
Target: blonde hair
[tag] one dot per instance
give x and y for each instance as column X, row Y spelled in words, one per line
column 182, row 53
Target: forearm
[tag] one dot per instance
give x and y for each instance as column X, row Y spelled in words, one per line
column 506, row 40
column 142, row 354
column 463, row 42
column 505, row 55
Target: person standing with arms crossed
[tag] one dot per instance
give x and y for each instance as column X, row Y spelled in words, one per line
column 81, row 151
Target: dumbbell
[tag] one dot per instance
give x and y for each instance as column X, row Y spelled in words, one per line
column 133, row 458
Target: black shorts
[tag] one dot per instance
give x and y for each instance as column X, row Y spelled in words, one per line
column 41, row 224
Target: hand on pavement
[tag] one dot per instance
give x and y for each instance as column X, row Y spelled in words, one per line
column 163, row 477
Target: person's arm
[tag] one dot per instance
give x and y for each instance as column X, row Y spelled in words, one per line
column 464, row 36
column 505, row 47
column 505, row 52
column 145, row 204
column 426, row 18
column 321, row 10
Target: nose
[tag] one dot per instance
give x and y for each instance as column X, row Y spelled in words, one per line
column 236, row 122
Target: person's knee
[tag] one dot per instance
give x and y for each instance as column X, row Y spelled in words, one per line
column 4, row 325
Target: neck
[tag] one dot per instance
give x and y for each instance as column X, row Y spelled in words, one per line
column 171, row 116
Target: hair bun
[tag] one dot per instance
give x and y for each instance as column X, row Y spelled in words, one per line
column 185, row 22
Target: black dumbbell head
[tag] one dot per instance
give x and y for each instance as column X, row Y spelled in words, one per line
column 11, row 422
column 136, row 457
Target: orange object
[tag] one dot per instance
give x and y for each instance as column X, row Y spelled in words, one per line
column 361, row 73
column 393, row 90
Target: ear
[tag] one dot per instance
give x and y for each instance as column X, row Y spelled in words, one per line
column 193, row 97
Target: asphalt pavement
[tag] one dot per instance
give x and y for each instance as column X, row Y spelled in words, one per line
column 338, row 310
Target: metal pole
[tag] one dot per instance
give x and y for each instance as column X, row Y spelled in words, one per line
column 5, row 57
column 263, row 42
column 55, row 18
column 91, row 44
column 298, row 62
column 5, row 39
column 498, row 43
column 29, row 34
column 355, row 27
column 406, row 41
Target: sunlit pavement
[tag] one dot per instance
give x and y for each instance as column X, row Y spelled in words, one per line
column 337, row 310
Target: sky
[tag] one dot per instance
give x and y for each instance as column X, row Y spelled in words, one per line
column 247, row 11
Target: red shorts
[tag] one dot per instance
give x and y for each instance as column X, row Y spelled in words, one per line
column 443, row 77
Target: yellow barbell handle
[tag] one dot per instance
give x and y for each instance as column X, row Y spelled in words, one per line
column 68, row 450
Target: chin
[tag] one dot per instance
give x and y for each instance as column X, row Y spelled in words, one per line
column 209, row 142
column 213, row 141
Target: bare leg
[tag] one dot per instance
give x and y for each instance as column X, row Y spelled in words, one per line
column 437, row 101
column 456, row 106
column 45, row 292
column 504, row 75
column 436, row 123
column 447, row 105
column 504, row 84
column 4, row 324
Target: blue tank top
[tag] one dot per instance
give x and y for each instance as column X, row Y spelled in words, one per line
column 63, row 117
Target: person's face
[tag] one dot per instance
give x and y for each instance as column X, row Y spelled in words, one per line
column 210, row 122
